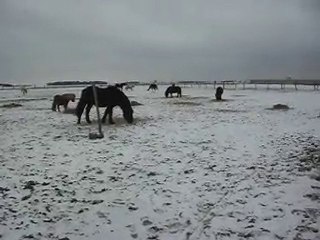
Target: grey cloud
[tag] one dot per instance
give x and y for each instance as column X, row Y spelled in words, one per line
column 167, row 40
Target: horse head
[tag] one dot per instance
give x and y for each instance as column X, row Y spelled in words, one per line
column 128, row 114
column 166, row 93
column 125, row 105
column 169, row 90
column 54, row 103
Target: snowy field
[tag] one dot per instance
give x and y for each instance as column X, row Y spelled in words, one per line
column 188, row 168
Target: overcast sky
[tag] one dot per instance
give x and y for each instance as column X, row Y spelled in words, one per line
column 115, row 40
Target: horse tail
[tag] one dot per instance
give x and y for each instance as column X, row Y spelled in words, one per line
column 179, row 91
column 54, row 104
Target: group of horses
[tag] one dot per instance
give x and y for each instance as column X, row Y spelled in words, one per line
column 110, row 97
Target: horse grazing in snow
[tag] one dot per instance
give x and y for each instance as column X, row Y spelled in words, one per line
column 173, row 89
column 129, row 87
column 153, row 87
column 219, row 92
column 107, row 97
column 24, row 90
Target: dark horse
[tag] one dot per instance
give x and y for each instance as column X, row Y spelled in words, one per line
column 63, row 99
column 219, row 92
column 173, row 89
column 107, row 97
column 153, row 87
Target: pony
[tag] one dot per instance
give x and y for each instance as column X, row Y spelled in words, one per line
column 219, row 92
column 173, row 89
column 153, row 87
column 24, row 90
column 129, row 87
column 107, row 97
column 63, row 99
column 120, row 85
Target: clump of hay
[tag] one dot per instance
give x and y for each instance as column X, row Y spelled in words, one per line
column 11, row 105
column 279, row 107
column 185, row 103
column 222, row 100
column 230, row 110
column 135, row 103
column 238, row 95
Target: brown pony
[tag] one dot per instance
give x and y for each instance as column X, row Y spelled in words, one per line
column 62, row 100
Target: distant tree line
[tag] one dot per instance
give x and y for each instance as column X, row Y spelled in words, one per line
column 66, row 83
column 6, row 85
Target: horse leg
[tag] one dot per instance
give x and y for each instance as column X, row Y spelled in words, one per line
column 103, row 120
column 58, row 107
column 109, row 110
column 88, row 108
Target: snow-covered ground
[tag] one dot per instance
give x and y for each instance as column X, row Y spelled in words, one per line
column 189, row 168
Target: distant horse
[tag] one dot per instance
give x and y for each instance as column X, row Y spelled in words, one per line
column 129, row 87
column 107, row 97
column 24, row 90
column 173, row 89
column 63, row 99
column 120, row 85
column 219, row 92
column 153, row 87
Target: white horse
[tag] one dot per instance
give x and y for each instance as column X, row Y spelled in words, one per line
column 24, row 90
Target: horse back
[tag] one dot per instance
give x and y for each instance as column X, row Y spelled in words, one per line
column 110, row 96
column 68, row 96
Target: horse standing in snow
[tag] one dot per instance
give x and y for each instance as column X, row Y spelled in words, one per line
column 63, row 99
column 107, row 97
column 219, row 92
column 173, row 89
column 129, row 87
column 24, row 90
column 153, row 87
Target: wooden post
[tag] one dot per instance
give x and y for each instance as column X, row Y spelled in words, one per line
column 100, row 135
